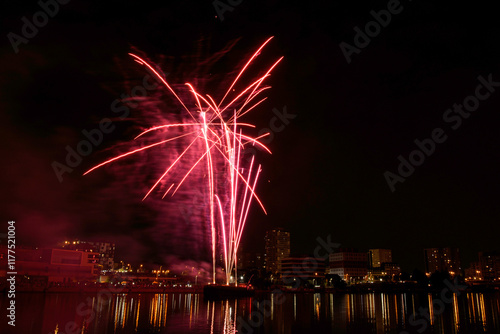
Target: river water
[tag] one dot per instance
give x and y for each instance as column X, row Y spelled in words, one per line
column 265, row 313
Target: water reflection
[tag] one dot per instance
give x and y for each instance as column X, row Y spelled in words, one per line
column 265, row 313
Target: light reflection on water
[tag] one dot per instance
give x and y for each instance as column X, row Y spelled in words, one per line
column 266, row 313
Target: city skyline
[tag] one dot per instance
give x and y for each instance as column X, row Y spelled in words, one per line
column 433, row 259
column 338, row 124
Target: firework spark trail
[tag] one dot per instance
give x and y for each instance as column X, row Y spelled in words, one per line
column 217, row 140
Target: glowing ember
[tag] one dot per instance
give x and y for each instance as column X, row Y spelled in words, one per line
column 213, row 134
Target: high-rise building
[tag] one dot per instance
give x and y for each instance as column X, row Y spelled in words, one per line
column 487, row 269
column 489, row 262
column 442, row 259
column 474, row 272
column 277, row 248
column 377, row 257
column 349, row 264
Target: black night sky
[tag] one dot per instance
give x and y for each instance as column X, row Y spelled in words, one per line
column 326, row 173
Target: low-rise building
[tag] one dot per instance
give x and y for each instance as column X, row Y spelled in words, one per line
column 56, row 265
column 305, row 269
column 351, row 265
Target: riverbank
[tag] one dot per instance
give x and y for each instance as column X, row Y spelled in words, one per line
column 356, row 288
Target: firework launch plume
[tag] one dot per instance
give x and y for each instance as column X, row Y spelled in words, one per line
column 212, row 143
